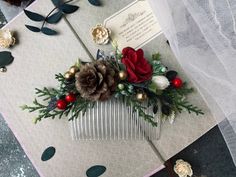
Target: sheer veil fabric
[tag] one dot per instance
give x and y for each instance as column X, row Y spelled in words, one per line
column 202, row 34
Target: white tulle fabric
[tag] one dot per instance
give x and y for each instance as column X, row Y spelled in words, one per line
column 202, row 34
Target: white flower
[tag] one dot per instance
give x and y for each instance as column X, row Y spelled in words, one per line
column 100, row 34
column 161, row 82
column 6, row 39
column 183, row 169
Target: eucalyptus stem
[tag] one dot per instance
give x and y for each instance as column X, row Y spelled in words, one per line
column 55, row 8
column 48, row 16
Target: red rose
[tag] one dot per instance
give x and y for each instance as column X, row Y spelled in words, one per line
column 137, row 67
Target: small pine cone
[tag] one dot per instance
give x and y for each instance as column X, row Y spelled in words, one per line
column 96, row 81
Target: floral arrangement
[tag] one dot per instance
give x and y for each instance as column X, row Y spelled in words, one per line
column 125, row 75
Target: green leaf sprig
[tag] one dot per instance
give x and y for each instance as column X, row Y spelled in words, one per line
column 179, row 102
column 47, row 109
column 53, row 17
column 94, row 2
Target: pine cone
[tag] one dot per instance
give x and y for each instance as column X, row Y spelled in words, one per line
column 96, row 81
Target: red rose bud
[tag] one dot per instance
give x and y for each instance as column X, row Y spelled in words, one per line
column 61, row 104
column 70, row 98
column 177, row 82
column 137, row 67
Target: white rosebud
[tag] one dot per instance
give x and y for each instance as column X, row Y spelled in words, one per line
column 6, row 39
column 161, row 82
column 100, row 34
column 183, row 169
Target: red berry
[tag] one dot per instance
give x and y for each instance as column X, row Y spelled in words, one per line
column 70, row 98
column 61, row 104
column 177, row 82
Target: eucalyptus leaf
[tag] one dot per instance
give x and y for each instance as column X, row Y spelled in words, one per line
column 34, row 16
column 95, row 2
column 56, row 2
column 48, row 31
column 68, row 9
column 33, row 28
column 48, row 153
column 155, row 109
column 166, row 110
column 5, row 58
column 171, row 75
column 54, row 18
column 166, row 100
column 96, row 171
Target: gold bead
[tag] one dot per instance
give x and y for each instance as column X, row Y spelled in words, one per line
column 68, row 75
column 73, row 69
column 141, row 96
column 122, row 75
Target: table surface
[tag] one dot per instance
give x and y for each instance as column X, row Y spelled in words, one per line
column 39, row 57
